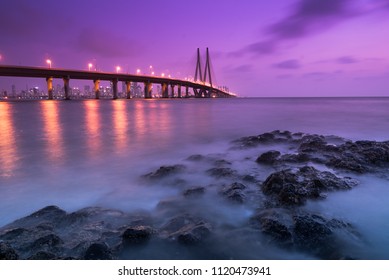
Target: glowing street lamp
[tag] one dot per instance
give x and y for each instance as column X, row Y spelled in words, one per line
column 118, row 69
column 137, row 71
column 152, row 73
column 48, row 61
column 163, row 75
column 90, row 65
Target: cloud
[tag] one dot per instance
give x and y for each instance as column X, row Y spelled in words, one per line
column 104, row 43
column 306, row 17
column 346, row 60
column 288, row 64
column 310, row 16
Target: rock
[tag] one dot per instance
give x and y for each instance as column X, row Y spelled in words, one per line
column 7, row 252
column 186, row 229
column 234, row 192
column 294, row 188
column 165, row 171
column 194, row 234
column 276, row 136
column 269, row 157
column 220, row 172
column 98, row 251
column 275, row 223
column 48, row 242
column 304, row 231
column 137, row 235
column 194, row 192
column 296, row 158
column 43, row 255
column 195, row 157
column 314, row 234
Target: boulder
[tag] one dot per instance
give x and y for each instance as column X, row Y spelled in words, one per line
column 269, row 157
column 194, row 192
column 294, row 188
column 221, row 172
column 234, row 192
column 98, row 251
column 165, row 171
column 186, row 230
column 7, row 252
column 137, row 235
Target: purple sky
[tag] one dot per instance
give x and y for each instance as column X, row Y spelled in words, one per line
column 258, row 48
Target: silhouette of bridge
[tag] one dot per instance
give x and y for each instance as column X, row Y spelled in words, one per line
column 201, row 88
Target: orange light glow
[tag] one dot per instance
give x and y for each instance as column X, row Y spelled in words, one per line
column 53, row 131
column 8, row 150
column 92, row 123
column 120, row 124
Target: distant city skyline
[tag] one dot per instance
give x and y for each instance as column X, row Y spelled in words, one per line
column 257, row 48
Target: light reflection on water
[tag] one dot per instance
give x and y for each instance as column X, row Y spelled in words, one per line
column 82, row 153
column 8, row 150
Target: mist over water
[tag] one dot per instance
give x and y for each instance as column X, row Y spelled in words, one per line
column 76, row 154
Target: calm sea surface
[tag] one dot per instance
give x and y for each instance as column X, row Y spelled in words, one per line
column 90, row 153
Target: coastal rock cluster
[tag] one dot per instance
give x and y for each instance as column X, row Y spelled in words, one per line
column 304, row 167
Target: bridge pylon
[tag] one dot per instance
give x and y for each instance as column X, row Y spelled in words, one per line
column 199, row 77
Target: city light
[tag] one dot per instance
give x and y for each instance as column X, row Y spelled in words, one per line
column 48, row 61
column 137, row 71
column 118, row 69
column 90, row 65
column 163, row 75
column 152, row 73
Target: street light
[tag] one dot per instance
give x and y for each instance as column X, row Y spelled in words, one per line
column 118, row 69
column 163, row 74
column 48, row 61
column 137, row 71
column 90, row 65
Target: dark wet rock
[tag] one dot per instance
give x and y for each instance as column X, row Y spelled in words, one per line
column 48, row 242
column 186, row 229
column 294, row 188
column 165, row 171
column 221, row 172
column 71, row 235
column 249, row 178
column 235, row 192
column 296, row 158
column 269, row 157
column 194, row 192
column 221, row 162
column 98, row 251
column 43, row 255
column 303, row 231
column 196, row 157
column 7, row 252
column 137, row 235
column 321, row 237
column 276, row 136
column 194, row 234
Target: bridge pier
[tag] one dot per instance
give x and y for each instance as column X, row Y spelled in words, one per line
column 66, row 87
column 97, row 88
column 179, row 91
column 148, row 88
column 49, row 82
column 187, row 91
column 165, row 93
column 128, row 89
column 172, row 89
column 115, row 89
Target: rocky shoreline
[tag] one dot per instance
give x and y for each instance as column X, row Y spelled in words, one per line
column 276, row 187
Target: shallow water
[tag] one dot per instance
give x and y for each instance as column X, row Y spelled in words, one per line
column 92, row 153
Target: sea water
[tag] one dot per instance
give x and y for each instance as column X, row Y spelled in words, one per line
column 75, row 154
